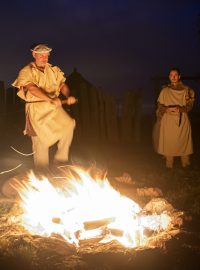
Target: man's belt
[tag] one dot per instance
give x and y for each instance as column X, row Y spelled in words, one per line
column 64, row 101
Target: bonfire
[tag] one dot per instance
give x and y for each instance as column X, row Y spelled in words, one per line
column 80, row 212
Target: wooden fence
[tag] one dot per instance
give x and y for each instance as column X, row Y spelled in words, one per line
column 99, row 116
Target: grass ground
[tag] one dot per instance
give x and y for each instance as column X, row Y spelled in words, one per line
column 180, row 186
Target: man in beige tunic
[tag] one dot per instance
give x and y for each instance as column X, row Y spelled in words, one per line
column 173, row 135
column 40, row 84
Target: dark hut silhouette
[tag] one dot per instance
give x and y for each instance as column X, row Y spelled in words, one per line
column 97, row 113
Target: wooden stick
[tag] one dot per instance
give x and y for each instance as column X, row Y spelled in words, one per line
column 94, row 224
column 64, row 101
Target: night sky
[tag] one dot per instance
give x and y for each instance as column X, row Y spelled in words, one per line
column 116, row 45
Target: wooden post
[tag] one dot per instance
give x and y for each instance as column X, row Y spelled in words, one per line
column 84, row 110
column 128, row 112
column 75, row 112
column 102, row 117
column 94, row 114
column 111, row 119
column 137, row 117
column 2, row 97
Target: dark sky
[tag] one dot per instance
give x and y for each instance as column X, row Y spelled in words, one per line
column 116, row 45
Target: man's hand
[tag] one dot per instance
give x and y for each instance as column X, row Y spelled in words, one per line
column 71, row 100
column 56, row 101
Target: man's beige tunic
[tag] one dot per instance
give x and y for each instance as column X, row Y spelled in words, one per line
column 175, row 136
column 48, row 121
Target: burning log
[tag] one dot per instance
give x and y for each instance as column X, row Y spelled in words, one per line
column 158, row 206
column 128, row 187
column 116, row 232
column 56, row 220
column 90, row 225
column 151, row 192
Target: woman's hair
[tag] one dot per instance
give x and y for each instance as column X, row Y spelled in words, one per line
column 175, row 69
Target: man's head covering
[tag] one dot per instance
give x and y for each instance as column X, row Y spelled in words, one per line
column 41, row 48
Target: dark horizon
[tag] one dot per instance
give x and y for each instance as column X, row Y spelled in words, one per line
column 117, row 46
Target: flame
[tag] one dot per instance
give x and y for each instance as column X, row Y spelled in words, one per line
column 80, row 207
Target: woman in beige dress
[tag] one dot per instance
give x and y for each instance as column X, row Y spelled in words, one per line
column 172, row 133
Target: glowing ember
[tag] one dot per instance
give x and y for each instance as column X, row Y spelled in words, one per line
column 79, row 207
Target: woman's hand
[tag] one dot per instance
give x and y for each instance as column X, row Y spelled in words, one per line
column 173, row 109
